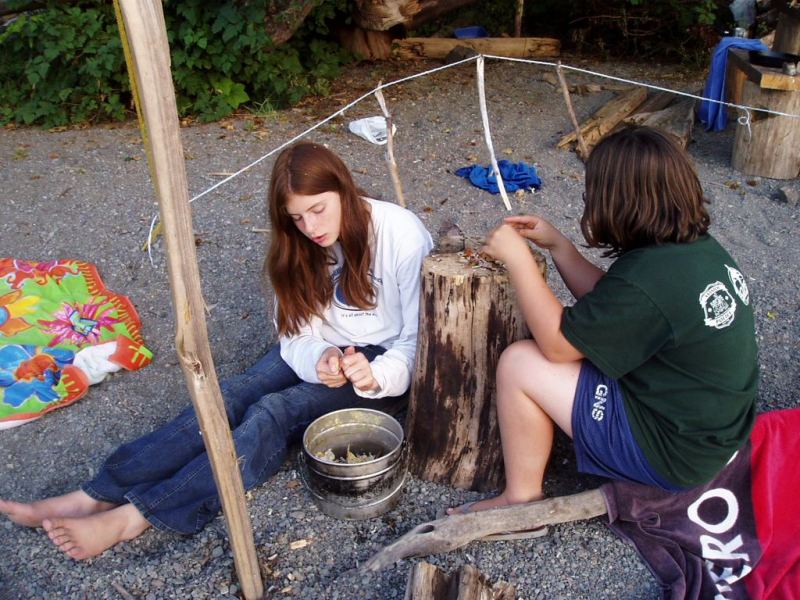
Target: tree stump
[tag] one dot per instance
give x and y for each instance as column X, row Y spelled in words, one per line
column 428, row 582
column 468, row 316
column 768, row 147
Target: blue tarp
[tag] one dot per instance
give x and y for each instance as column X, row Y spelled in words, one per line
column 714, row 115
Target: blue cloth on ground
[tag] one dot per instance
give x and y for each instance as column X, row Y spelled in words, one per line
column 713, row 115
column 516, row 176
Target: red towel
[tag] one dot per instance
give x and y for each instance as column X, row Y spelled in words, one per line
column 738, row 536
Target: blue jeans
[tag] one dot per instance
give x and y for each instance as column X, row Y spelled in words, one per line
column 167, row 475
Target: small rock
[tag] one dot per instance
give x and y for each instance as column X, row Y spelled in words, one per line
column 216, row 552
column 459, row 53
column 787, row 195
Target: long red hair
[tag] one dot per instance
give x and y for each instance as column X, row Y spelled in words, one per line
column 297, row 267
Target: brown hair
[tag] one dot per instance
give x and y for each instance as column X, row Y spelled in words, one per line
column 641, row 190
column 297, row 267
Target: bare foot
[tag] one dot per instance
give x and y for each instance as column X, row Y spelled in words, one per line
column 84, row 537
column 74, row 504
column 487, row 503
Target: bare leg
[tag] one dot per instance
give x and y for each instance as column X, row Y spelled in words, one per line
column 533, row 395
column 84, row 537
column 74, row 504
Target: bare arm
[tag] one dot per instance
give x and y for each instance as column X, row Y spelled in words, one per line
column 541, row 308
column 578, row 273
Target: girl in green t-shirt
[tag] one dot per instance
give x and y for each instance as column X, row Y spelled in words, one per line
column 653, row 370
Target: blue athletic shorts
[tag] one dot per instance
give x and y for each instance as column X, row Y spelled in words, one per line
column 604, row 443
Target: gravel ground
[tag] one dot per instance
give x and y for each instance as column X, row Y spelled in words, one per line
column 86, row 193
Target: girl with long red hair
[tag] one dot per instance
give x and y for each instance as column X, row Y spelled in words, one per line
column 346, row 273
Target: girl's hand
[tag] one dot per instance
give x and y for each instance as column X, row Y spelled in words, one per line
column 536, row 229
column 505, row 244
column 356, row 368
column 329, row 368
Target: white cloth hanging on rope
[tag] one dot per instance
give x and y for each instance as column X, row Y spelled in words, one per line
column 487, row 134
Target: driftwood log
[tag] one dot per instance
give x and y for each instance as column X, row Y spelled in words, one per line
column 511, row 47
column 455, row 531
column 427, row 582
column 606, row 118
column 468, row 315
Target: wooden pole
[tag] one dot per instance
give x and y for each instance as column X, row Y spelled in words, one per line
column 582, row 149
column 143, row 26
column 398, row 186
column 518, row 18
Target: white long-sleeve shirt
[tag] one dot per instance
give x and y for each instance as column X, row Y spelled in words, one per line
column 399, row 242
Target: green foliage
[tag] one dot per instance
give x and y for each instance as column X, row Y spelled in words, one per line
column 68, row 66
column 668, row 30
column 62, row 65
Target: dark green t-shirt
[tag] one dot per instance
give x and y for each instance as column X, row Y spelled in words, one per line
column 674, row 325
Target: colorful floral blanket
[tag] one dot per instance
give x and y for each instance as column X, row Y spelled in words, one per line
column 61, row 330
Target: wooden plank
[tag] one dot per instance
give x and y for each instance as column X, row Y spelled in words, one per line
column 606, row 118
column 766, row 78
column 677, row 120
column 410, row 48
column 656, row 100
column 142, row 23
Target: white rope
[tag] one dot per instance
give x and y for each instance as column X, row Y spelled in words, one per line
column 304, row 133
column 480, row 57
column 647, row 85
column 488, row 135
column 325, row 120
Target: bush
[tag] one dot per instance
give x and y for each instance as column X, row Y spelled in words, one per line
column 68, row 66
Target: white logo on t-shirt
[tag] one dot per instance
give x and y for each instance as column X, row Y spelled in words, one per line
column 739, row 285
column 718, row 304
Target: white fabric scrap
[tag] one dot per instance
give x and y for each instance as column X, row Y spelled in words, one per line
column 94, row 361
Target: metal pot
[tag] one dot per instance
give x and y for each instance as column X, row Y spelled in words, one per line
column 360, row 490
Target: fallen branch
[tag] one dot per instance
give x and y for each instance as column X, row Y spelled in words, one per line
column 449, row 533
column 606, row 118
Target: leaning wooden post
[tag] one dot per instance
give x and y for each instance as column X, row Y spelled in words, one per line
column 583, row 151
column 143, row 25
